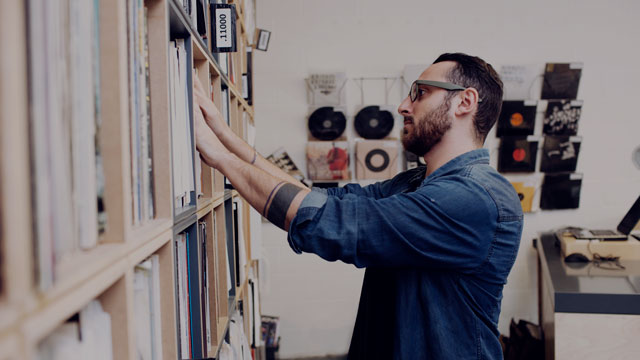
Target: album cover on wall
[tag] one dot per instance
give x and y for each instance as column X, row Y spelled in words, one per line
column 561, row 81
column 412, row 160
column 562, row 117
column 376, row 159
column 517, row 154
column 561, row 191
column 327, row 123
column 521, row 81
column 560, row 153
column 525, row 193
column 374, row 122
column 281, row 159
column 328, row 160
column 326, row 89
column 517, row 118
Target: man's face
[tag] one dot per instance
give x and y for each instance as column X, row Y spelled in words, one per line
column 427, row 119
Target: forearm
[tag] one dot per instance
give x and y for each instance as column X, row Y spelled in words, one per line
column 272, row 196
column 244, row 151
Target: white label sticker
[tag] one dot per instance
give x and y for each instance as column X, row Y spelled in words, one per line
column 245, row 86
column 576, row 65
column 223, row 28
column 263, row 42
column 575, row 177
column 533, row 138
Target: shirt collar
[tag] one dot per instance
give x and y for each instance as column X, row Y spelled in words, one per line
column 478, row 156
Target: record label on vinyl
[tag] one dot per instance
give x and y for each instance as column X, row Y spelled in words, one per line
column 373, row 123
column 326, row 123
column 377, row 160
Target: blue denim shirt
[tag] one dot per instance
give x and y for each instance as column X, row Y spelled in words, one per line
column 437, row 250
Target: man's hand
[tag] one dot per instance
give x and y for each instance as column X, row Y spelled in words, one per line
column 211, row 149
column 212, row 116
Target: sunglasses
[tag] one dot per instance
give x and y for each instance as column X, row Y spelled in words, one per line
column 415, row 87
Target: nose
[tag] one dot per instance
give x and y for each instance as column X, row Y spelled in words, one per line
column 406, row 106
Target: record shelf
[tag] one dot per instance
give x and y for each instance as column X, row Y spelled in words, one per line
column 49, row 282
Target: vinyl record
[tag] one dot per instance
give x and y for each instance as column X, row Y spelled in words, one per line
column 517, row 118
column 373, row 123
column 525, row 193
column 562, row 117
column 412, row 160
column 376, row 159
column 559, row 154
column 325, row 123
column 517, row 155
column 561, row 81
column 561, row 191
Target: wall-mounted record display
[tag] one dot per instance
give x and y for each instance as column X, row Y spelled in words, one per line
column 560, row 153
column 327, row 123
column 517, row 118
column 374, row 122
column 376, row 159
column 561, row 117
column 517, row 154
column 328, row 160
column 561, row 81
column 525, row 193
column 561, row 191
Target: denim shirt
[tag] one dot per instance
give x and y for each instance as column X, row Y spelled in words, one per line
column 437, row 250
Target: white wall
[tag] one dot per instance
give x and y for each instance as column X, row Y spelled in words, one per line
column 317, row 300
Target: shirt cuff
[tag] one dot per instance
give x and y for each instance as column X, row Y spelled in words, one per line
column 307, row 210
column 316, row 198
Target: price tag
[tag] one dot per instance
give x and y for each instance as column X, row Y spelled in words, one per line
column 224, row 27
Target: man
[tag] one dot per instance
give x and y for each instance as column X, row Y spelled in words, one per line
column 438, row 242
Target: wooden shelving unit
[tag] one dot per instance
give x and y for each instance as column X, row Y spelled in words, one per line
column 30, row 313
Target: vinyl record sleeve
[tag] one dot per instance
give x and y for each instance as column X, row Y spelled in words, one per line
column 517, row 154
column 376, row 159
column 374, row 122
column 412, row 160
column 525, row 193
column 517, row 118
column 560, row 154
column 521, row 81
column 562, row 117
column 327, row 123
column 328, row 160
column 561, row 80
column 561, row 191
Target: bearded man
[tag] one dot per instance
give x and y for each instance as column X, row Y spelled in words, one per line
column 437, row 242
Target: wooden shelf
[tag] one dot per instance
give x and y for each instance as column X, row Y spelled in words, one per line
column 106, row 272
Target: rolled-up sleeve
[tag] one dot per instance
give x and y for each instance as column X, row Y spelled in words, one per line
column 444, row 224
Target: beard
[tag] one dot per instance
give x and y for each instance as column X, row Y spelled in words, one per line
column 427, row 131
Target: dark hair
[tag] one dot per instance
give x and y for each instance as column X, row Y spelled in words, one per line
column 471, row 71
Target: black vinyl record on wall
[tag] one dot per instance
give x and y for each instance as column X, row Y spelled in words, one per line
column 373, row 123
column 517, row 118
column 517, row 154
column 326, row 123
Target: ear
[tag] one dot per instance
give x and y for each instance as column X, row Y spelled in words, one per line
column 469, row 101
